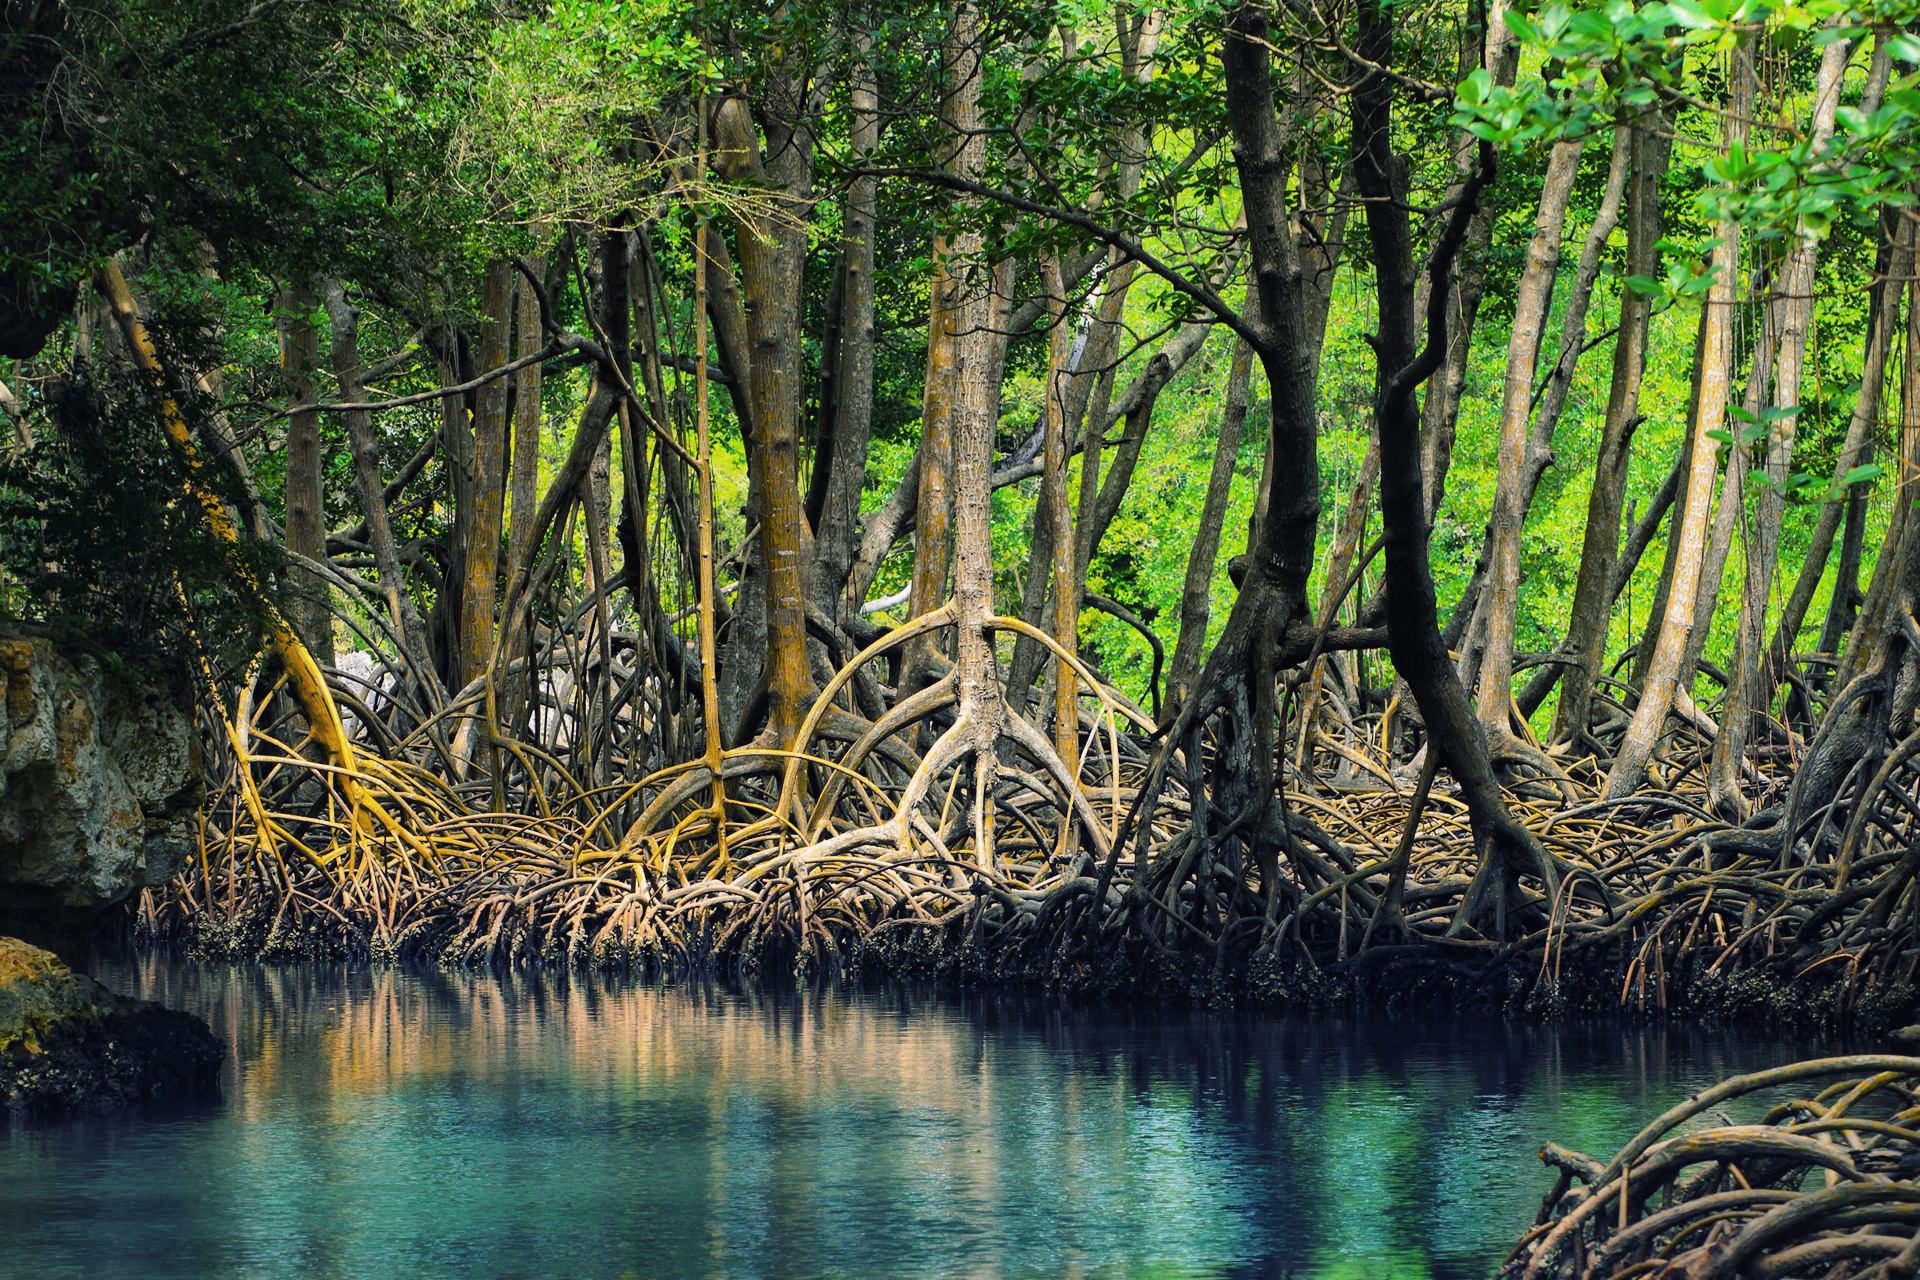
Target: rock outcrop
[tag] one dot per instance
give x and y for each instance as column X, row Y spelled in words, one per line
column 99, row 780
column 70, row 1046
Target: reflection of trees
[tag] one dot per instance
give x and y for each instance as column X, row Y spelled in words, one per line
column 749, row 1131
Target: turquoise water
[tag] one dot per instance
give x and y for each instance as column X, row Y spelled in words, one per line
column 385, row 1123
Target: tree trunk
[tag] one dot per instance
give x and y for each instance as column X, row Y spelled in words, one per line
column 1748, row 695
column 836, row 533
column 489, row 474
column 932, row 531
column 1059, row 518
column 1502, row 592
column 1678, row 625
column 306, row 531
column 772, row 257
column 1196, row 590
column 1592, row 607
column 1893, row 263
column 523, row 483
column 1506, row 849
column 344, row 319
column 1440, row 410
column 1877, row 614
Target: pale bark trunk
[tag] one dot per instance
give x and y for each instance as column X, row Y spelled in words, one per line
column 1875, row 614
column 1059, row 518
column 1657, row 611
column 1552, row 397
column 933, row 514
column 1196, row 591
column 456, row 455
column 523, row 482
column 1728, row 514
column 1678, row 626
column 1592, row 606
column 344, row 320
column 1747, row 695
column 1895, row 263
column 1502, row 593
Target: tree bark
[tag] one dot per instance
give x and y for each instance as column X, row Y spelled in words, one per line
column 1678, row 625
column 1748, row 695
column 1502, row 592
column 489, row 475
column 344, row 319
column 836, row 533
column 1059, row 519
column 772, row 251
column 1892, row 265
column 1420, row 656
column 1196, row 591
column 523, row 482
column 1592, row 607
column 306, row 530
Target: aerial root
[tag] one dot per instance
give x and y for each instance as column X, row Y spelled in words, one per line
column 1363, row 866
column 1820, row 1185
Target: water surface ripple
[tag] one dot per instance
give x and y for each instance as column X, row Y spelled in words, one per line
column 409, row 1123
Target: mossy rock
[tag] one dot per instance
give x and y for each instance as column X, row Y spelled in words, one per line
column 37, row 993
column 69, row 1046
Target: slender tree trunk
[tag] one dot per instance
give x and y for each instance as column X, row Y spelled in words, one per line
column 895, row 517
column 1729, row 514
column 1878, row 613
column 1748, row 695
column 523, row 484
column 1892, row 265
column 1663, row 587
column 304, row 679
column 1059, row 518
column 1506, row 848
column 489, row 473
column 456, row 455
column 1440, row 410
column 932, row 531
column 344, row 319
column 1678, row 624
column 1588, row 619
column 836, row 534
column 1552, row 396
column 1502, row 593
column 1196, row 591
column 306, row 530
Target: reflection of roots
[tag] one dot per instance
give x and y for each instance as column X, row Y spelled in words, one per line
column 1820, row 1186
column 919, row 822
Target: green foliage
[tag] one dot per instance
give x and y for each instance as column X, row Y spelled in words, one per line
column 98, row 537
column 1622, row 59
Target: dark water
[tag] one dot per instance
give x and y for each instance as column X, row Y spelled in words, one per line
column 402, row 1124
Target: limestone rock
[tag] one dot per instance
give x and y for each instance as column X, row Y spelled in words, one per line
column 99, row 780
column 70, row 1046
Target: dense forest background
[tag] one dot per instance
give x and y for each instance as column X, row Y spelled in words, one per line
column 1275, row 479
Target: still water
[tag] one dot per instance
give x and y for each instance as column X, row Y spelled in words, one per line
column 385, row 1123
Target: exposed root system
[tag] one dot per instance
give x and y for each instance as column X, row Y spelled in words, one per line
column 1823, row 1185
column 876, row 846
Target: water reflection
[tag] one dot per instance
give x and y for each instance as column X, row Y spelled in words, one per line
column 416, row 1123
